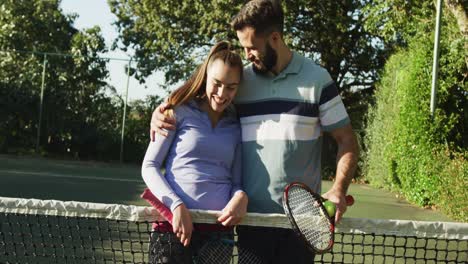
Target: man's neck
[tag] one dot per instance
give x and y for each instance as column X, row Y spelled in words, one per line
column 284, row 58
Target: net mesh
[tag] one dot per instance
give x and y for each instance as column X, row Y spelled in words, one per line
column 45, row 231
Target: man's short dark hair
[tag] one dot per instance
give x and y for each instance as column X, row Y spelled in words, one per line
column 264, row 16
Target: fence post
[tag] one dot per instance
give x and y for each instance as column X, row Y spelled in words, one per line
column 125, row 111
column 44, row 65
column 435, row 65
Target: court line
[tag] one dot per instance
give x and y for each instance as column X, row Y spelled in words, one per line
column 54, row 175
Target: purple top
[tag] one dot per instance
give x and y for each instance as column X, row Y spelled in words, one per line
column 202, row 164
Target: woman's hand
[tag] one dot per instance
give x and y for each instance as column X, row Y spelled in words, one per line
column 182, row 224
column 234, row 211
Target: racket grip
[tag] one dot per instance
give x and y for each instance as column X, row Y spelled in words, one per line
column 349, row 200
column 154, row 201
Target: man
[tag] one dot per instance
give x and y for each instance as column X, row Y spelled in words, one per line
column 285, row 103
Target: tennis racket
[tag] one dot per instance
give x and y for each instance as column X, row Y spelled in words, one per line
column 309, row 217
column 215, row 250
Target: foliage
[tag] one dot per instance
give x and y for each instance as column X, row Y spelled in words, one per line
column 454, row 175
column 82, row 114
column 172, row 36
column 72, row 83
column 408, row 151
column 22, row 25
column 137, row 127
column 397, row 21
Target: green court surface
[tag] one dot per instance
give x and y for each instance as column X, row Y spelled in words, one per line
column 42, row 178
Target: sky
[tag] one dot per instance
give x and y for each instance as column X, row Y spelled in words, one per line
column 97, row 12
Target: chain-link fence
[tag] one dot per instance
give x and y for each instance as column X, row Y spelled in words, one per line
column 75, row 106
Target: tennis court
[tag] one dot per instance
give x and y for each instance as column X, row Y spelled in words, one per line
column 112, row 224
column 122, row 184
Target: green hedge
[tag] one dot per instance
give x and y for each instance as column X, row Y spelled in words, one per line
column 421, row 157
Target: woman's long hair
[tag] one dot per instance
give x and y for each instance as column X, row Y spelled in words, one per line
column 196, row 85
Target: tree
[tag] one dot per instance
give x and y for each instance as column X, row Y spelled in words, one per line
column 171, row 36
column 136, row 136
column 423, row 157
column 73, row 82
column 459, row 9
column 400, row 22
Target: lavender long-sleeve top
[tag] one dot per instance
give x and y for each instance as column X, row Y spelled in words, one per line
column 202, row 164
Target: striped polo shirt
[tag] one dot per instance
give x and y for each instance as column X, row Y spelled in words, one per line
column 282, row 119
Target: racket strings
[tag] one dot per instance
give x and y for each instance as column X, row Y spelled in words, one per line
column 222, row 251
column 310, row 218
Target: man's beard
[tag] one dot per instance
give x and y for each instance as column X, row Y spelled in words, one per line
column 267, row 62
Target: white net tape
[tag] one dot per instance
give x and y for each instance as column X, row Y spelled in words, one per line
column 444, row 230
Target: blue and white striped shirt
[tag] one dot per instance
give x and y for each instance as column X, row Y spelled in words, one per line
column 283, row 118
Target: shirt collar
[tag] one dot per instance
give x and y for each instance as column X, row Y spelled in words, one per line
column 294, row 66
column 229, row 112
column 193, row 104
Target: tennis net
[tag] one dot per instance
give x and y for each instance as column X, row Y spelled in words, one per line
column 50, row 231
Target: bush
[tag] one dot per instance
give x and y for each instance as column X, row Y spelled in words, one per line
column 410, row 152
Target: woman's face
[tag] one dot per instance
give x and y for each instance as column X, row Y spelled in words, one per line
column 221, row 85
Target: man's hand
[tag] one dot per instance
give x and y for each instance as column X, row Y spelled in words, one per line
column 346, row 157
column 161, row 122
column 234, row 211
column 338, row 198
column 182, row 224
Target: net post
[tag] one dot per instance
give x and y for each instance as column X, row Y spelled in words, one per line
column 125, row 111
column 435, row 65
column 44, row 65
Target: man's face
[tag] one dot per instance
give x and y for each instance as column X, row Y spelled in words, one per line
column 257, row 50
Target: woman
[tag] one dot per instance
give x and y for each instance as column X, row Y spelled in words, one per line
column 201, row 157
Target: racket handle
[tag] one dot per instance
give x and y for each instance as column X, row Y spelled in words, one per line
column 349, row 200
column 154, row 201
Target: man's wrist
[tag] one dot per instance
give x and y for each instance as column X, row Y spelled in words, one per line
column 339, row 188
